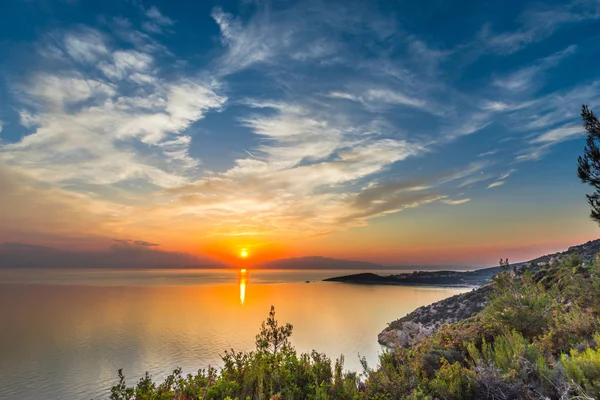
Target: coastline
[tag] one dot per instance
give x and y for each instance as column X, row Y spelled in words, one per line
column 432, row 285
column 422, row 322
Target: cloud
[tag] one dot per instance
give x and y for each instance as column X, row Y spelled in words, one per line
column 536, row 24
column 542, row 143
column 28, row 210
column 487, row 153
column 343, row 95
column 158, row 17
column 246, row 46
column 470, row 181
column 507, row 174
column 303, row 32
column 391, row 97
column 495, row 184
column 85, row 45
column 378, row 98
column 393, row 204
column 304, row 175
column 124, row 63
column 95, row 131
column 524, row 79
column 473, row 123
column 455, row 202
column 142, row 243
column 315, row 197
column 560, row 134
column 533, row 153
column 157, row 21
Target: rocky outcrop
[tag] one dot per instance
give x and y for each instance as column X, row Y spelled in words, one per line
column 408, row 334
column 426, row 320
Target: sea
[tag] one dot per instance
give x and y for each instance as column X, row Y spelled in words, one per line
column 65, row 333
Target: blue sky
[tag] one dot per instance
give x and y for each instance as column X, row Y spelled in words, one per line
column 390, row 131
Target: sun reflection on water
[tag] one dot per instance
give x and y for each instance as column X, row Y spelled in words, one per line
column 243, row 281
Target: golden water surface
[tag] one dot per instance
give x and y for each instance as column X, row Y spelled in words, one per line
column 66, row 338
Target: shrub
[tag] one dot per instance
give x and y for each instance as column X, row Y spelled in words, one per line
column 583, row 369
column 453, row 382
column 523, row 306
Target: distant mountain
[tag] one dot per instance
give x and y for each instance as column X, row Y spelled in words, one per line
column 123, row 254
column 318, row 263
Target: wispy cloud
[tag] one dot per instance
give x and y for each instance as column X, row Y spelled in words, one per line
column 154, row 14
column 507, row 174
column 536, row 24
column 156, row 22
column 456, row 202
column 524, row 79
column 487, row 153
column 391, row 97
column 559, row 134
column 475, row 179
column 495, row 184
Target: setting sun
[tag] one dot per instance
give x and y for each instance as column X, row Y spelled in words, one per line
column 243, row 253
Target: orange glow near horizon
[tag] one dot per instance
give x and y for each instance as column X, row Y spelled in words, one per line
column 440, row 249
column 239, row 252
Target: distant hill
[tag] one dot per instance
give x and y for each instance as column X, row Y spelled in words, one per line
column 586, row 251
column 438, row 278
column 318, row 263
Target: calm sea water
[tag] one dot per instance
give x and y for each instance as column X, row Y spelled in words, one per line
column 64, row 333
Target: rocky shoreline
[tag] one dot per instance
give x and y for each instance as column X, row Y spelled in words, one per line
column 426, row 320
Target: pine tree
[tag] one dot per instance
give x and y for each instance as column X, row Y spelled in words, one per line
column 589, row 165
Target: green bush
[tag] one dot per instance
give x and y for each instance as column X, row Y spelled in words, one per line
column 583, row 369
column 453, row 382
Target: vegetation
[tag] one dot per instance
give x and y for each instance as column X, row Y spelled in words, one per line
column 273, row 371
column 589, row 164
column 536, row 337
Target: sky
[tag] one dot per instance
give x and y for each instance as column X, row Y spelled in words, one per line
column 395, row 132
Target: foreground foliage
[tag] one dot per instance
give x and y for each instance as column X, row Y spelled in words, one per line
column 538, row 338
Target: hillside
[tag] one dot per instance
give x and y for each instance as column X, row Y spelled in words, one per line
column 424, row 321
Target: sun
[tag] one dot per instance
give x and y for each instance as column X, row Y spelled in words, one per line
column 243, row 253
